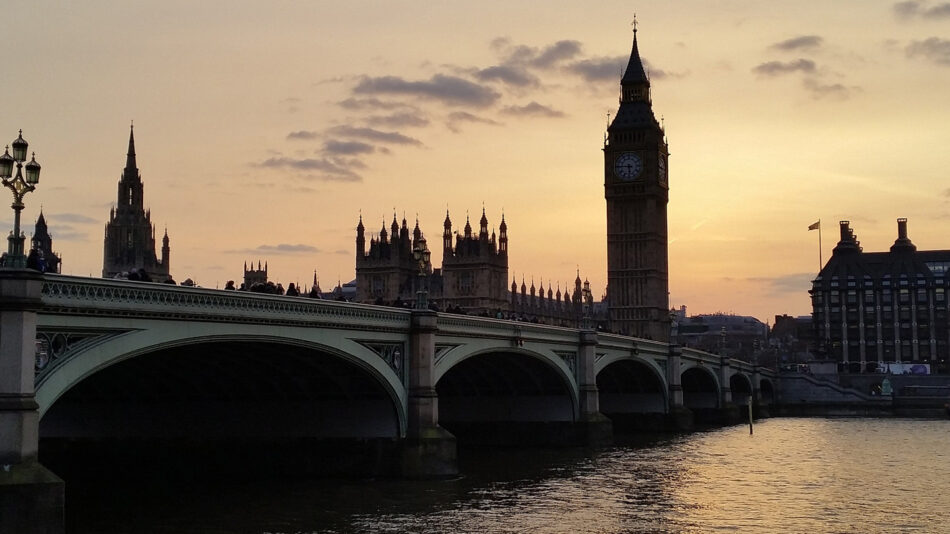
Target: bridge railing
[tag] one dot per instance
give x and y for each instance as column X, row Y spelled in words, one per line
column 466, row 325
column 73, row 295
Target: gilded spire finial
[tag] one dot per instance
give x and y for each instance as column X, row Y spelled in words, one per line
column 634, row 24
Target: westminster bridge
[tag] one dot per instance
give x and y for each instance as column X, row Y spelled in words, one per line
column 87, row 358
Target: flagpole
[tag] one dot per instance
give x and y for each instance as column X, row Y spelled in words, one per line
column 820, row 264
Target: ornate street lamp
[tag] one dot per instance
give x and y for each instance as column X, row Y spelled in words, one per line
column 421, row 255
column 20, row 186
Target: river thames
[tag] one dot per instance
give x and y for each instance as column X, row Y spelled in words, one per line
column 793, row 475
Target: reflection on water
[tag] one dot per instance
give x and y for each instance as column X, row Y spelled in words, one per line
column 793, row 475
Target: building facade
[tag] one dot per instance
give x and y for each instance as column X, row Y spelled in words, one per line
column 874, row 307
column 387, row 272
column 475, row 268
column 636, row 188
column 129, row 236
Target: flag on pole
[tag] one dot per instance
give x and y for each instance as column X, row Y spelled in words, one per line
column 815, row 226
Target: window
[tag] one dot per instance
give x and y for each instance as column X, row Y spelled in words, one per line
column 904, row 296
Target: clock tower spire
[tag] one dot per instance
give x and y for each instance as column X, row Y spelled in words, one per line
column 637, row 192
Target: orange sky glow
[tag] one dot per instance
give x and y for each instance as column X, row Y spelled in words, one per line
column 262, row 133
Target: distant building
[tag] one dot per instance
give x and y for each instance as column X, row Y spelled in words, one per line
column 475, row 269
column 871, row 307
column 129, row 237
column 792, row 339
column 387, row 272
column 737, row 336
column 43, row 242
column 254, row 276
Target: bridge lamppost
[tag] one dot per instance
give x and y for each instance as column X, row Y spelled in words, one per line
column 421, row 254
column 20, row 187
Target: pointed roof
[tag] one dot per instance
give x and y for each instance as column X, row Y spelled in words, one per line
column 130, row 155
column 634, row 72
column 41, row 220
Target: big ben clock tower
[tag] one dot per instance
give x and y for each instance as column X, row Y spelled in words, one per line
column 637, row 191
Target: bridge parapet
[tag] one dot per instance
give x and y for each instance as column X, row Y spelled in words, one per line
column 469, row 326
column 71, row 295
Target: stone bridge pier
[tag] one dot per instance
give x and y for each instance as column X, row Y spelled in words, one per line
column 31, row 497
column 428, row 449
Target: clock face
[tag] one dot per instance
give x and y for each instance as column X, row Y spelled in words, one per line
column 627, row 166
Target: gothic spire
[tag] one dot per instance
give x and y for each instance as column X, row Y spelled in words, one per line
column 130, row 164
column 634, row 73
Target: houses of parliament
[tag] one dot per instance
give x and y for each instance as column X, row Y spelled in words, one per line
column 474, row 275
column 474, row 272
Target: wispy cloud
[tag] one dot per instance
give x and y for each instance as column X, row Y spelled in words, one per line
column 456, row 118
column 836, row 91
column 598, row 69
column 802, row 42
column 72, row 218
column 788, row 283
column 449, row 90
column 303, row 135
column 333, row 171
column 918, row 8
column 777, row 68
column 395, row 138
column 399, row 120
column 358, row 104
column 533, row 109
column 282, row 248
column 509, row 74
column 933, row 49
column 348, row 148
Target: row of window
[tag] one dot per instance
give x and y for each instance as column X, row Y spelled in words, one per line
column 869, row 297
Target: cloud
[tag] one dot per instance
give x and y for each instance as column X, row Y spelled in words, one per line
column 303, row 135
column 789, row 283
column 533, row 109
column 836, row 91
column 64, row 232
column 598, row 69
column 449, row 90
column 458, row 117
column 556, row 53
column 802, row 42
column 914, row 8
column 334, row 171
column 72, row 218
column 934, row 49
column 374, row 135
column 347, row 148
column 399, row 120
column 544, row 58
column 282, row 248
column 776, row 68
column 508, row 74
column 357, row 104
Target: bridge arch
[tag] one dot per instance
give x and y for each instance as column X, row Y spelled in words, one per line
column 740, row 385
column 290, row 359
column 631, row 385
column 701, row 389
column 502, row 394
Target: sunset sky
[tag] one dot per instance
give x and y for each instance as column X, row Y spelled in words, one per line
column 263, row 130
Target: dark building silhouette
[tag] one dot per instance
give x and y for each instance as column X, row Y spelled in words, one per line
column 43, row 242
column 254, row 276
column 637, row 193
column 475, row 268
column 387, row 271
column 129, row 236
column 871, row 307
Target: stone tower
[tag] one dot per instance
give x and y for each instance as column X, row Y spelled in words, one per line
column 475, row 271
column 129, row 237
column 44, row 242
column 637, row 191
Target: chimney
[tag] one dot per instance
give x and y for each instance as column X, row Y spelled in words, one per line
column 903, row 243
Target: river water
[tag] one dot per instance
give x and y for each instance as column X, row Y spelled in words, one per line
column 793, row 475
